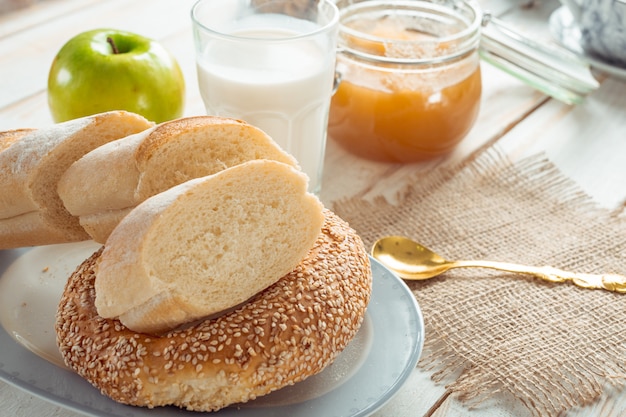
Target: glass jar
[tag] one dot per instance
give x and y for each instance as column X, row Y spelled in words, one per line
column 410, row 84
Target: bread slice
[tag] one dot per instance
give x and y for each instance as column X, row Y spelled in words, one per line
column 31, row 212
column 206, row 245
column 128, row 171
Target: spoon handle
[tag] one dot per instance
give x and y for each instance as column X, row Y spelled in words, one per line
column 609, row 282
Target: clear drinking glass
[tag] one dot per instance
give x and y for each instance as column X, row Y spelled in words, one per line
column 272, row 64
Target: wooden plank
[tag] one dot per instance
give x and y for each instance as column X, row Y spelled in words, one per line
column 585, row 141
column 25, row 57
column 37, row 14
column 415, row 398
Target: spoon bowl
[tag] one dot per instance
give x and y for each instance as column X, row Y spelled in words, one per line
column 411, row 260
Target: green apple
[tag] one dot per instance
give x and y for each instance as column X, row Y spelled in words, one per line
column 107, row 69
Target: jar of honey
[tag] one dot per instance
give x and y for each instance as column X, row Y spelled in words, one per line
column 410, row 84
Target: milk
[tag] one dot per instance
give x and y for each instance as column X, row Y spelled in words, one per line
column 282, row 87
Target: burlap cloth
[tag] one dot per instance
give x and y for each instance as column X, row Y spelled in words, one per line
column 550, row 346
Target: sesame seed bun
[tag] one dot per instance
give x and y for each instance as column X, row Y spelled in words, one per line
column 284, row 334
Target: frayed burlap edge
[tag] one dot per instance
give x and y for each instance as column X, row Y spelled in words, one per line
column 551, row 346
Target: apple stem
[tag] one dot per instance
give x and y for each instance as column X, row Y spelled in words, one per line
column 113, row 46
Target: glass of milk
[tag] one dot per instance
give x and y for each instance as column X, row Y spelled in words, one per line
column 272, row 64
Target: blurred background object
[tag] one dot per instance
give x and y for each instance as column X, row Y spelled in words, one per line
column 12, row 5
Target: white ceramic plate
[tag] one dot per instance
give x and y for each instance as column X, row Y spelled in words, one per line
column 364, row 377
column 566, row 32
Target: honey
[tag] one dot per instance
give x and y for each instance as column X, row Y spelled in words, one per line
column 410, row 89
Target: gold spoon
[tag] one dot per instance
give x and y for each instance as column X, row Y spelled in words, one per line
column 412, row 261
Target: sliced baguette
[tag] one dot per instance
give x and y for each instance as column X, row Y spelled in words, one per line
column 31, row 212
column 206, row 245
column 128, row 171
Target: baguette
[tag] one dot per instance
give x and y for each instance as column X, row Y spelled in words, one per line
column 128, row 171
column 7, row 137
column 206, row 245
column 31, row 163
column 10, row 205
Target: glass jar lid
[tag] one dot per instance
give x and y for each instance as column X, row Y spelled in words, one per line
column 552, row 70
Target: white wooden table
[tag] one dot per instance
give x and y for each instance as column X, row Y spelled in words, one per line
column 587, row 142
